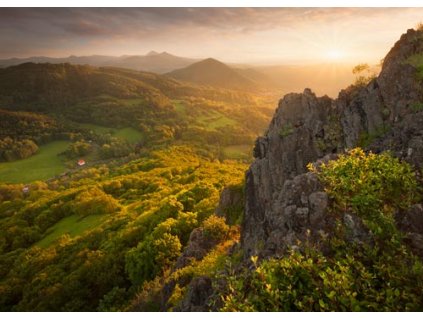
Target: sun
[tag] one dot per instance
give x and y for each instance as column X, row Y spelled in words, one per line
column 335, row 54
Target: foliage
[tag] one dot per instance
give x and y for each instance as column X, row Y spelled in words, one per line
column 353, row 280
column 286, row 130
column 380, row 276
column 215, row 228
column 416, row 107
column 372, row 186
column 364, row 74
column 11, row 150
column 416, row 60
column 94, row 201
column 56, row 258
column 78, row 149
column 366, row 139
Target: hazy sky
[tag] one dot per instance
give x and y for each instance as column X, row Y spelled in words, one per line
column 262, row 35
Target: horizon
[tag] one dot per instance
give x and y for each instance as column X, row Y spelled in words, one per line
column 258, row 36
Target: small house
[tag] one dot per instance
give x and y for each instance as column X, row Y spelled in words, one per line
column 81, row 162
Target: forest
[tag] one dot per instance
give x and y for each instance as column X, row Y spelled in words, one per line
column 158, row 154
column 123, row 190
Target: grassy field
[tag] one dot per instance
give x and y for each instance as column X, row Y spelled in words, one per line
column 72, row 225
column 180, row 107
column 217, row 121
column 238, row 152
column 43, row 165
column 210, row 120
column 129, row 134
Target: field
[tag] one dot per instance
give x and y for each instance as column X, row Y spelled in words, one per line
column 129, row 134
column 43, row 165
column 72, row 225
column 209, row 119
column 214, row 120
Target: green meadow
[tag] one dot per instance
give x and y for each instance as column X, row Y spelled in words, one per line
column 73, row 226
column 45, row 164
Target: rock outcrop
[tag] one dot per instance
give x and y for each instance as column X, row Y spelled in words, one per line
column 284, row 202
column 286, row 206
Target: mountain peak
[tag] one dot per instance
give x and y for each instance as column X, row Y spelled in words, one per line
column 211, row 60
column 214, row 73
column 152, row 53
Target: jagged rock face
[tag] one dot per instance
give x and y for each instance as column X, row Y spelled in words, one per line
column 305, row 128
column 300, row 130
column 231, row 199
column 411, row 223
column 404, row 140
column 199, row 291
column 387, row 99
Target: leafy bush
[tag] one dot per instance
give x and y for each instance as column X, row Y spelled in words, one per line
column 416, row 107
column 381, row 276
column 363, row 73
column 370, row 185
column 77, row 149
column 370, row 281
column 151, row 257
column 215, row 228
column 94, row 201
column 286, row 130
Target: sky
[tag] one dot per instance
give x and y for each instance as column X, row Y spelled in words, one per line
column 236, row 35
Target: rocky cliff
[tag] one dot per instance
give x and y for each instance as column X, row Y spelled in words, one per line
column 283, row 202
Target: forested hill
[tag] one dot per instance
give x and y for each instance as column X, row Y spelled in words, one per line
column 55, row 85
column 155, row 153
column 215, row 73
column 160, row 108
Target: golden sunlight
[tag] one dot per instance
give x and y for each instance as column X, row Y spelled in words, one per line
column 335, row 54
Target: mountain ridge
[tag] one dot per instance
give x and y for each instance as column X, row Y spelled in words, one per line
column 214, row 73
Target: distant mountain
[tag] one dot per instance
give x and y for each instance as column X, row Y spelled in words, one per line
column 214, row 73
column 95, row 60
column 152, row 62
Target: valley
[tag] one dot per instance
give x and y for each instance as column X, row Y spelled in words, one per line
column 161, row 182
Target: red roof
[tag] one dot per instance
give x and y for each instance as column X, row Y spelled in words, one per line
column 81, row 162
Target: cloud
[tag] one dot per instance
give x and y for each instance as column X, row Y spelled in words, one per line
column 47, row 31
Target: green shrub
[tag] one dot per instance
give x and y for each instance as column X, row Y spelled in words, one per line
column 215, row 228
column 370, row 185
column 371, row 281
column 286, row 130
column 151, row 257
column 416, row 107
column 94, row 201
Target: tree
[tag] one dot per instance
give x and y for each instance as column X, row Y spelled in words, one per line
column 363, row 74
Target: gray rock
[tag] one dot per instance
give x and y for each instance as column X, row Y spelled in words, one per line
column 282, row 199
column 199, row 291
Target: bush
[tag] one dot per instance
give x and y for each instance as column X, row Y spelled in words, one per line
column 361, row 79
column 215, row 228
column 94, row 201
column 372, row 186
column 286, row 130
column 313, row 282
column 151, row 257
column 416, row 107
